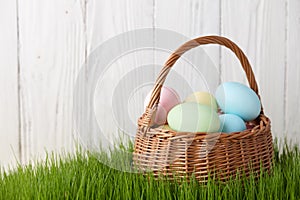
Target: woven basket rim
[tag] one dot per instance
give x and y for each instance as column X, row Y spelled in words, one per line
column 262, row 122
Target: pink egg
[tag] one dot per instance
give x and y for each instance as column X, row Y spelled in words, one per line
column 161, row 115
column 168, row 99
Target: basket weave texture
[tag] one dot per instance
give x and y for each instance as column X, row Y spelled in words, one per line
column 169, row 153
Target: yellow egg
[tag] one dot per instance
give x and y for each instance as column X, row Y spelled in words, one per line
column 167, row 127
column 203, row 98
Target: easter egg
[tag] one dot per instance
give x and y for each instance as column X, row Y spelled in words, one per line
column 236, row 98
column 231, row 123
column 167, row 127
column 161, row 115
column 193, row 117
column 204, row 98
column 168, row 99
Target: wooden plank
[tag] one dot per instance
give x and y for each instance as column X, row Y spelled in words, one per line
column 51, row 53
column 9, row 122
column 293, row 72
column 258, row 27
column 198, row 69
column 106, row 20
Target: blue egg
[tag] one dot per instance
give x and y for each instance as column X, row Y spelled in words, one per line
column 231, row 123
column 236, row 98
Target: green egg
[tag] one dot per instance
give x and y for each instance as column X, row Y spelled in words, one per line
column 193, row 117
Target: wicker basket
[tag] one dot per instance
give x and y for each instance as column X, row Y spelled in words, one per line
column 167, row 152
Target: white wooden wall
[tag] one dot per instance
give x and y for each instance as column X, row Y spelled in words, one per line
column 43, row 45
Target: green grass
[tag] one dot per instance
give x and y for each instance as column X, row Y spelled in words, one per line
column 83, row 176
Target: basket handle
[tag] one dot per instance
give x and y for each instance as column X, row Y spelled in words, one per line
column 192, row 44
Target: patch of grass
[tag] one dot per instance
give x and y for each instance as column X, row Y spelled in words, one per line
column 83, row 176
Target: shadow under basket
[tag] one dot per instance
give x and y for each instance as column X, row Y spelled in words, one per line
column 185, row 154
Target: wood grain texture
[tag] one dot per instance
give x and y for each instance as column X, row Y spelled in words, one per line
column 198, row 69
column 293, row 72
column 51, row 53
column 258, row 27
column 105, row 21
column 9, row 122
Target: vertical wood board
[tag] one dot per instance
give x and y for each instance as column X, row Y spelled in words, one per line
column 51, row 53
column 9, row 121
column 293, row 72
